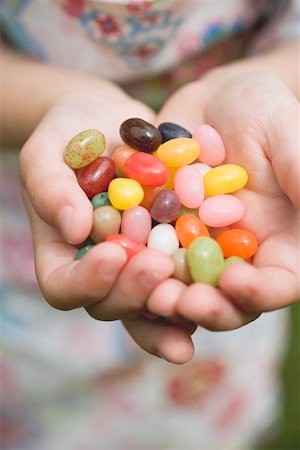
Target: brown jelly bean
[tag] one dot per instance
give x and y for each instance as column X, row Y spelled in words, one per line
column 140, row 135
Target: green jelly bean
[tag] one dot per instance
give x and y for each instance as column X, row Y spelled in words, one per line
column 100, row 200
column 206, row 261
column 83, row 251
column 84, row 148
column 233, row 260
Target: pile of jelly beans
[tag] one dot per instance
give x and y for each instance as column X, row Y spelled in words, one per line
column 168, row 190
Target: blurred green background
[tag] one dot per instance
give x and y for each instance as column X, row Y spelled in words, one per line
column 288, row 433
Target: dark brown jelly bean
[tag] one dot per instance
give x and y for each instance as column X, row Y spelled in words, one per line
column 140, row 135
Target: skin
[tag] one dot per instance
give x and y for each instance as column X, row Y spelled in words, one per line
column 255, row 137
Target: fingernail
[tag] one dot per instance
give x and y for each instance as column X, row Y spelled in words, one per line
column 66, row 220
column 150, row 280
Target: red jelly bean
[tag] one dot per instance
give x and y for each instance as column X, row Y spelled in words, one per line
column 166, row 206
column 237, row 242
column 146, row 169
column 131, row 246
column 96, row 177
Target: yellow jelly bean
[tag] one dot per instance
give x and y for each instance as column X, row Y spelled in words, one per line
column 170, row 183
column 224, row 179
column 125, row 193
column 178, row 152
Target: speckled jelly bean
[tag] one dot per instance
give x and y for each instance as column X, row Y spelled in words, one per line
column 178, row 152
column 140, row 135
column 181, row 268
column 225, row 179
column 124, row 193
column 131, row 246
column 237, row 242
column 233, row 260
column 212, row 147
column 188, row 228
column 169, row 130
column 106, row 221
column 136, row 223
column 146, row 169
column 188, row 185
column 221, row 210
column 206, row 261
column 149, row 196
column 120, row 156
column 84, row 148
column 96, row 177
column 163, row 237
column 165, row 207
column 83, row 251
column 100, row 200
column 202, row 168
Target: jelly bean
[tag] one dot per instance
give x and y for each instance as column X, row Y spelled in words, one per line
column 100, row 200
column 170, row 183
column 106, row 221
column 165, row 207
column 212, row 147
column 140, row 135
column 136, row 223
column 225, row 179
column 146, row 169
column 124, row 193
column 221, row 210
column 83, row 251
column 237, row 242
column 120, row 156
column 169, row 130
column 149, row 196
column 233, row 260
column 189, row 187
column 131, row 246
column 188, row 228
column 183, row 211
column 205, row 261
column 96, row 177
column 178, row 152
column 163, row 237
column 202, row 168
column 84, row 148
column 181, row 268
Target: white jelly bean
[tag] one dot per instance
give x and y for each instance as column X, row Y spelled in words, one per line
column 202, row 168
column 163, row 237
column 221, row 210
column 136, row 223
column 189, row 186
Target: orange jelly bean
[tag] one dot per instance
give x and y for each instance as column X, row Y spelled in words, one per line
column 188, row 228
column 149, row 196
column 120, row 156
column 237, row 242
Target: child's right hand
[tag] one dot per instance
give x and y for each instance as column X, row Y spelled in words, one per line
column 61, row 217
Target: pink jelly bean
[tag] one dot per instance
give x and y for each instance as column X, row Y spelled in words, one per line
column 212, row 147
column 136, row 223
column 221, row 210
column 188, row 185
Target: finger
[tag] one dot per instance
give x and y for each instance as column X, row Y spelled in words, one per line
column 209, row 308
column 167, row 341
column 135, row 283
column 283, row 136
column 52, row 186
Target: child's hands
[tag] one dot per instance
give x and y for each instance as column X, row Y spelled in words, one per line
column 258, row 119
column 61, row 216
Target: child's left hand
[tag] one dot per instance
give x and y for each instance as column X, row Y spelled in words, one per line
column 257, row 117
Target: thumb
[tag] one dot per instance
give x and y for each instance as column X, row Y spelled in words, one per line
column 284, row 147
column 52, row 187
